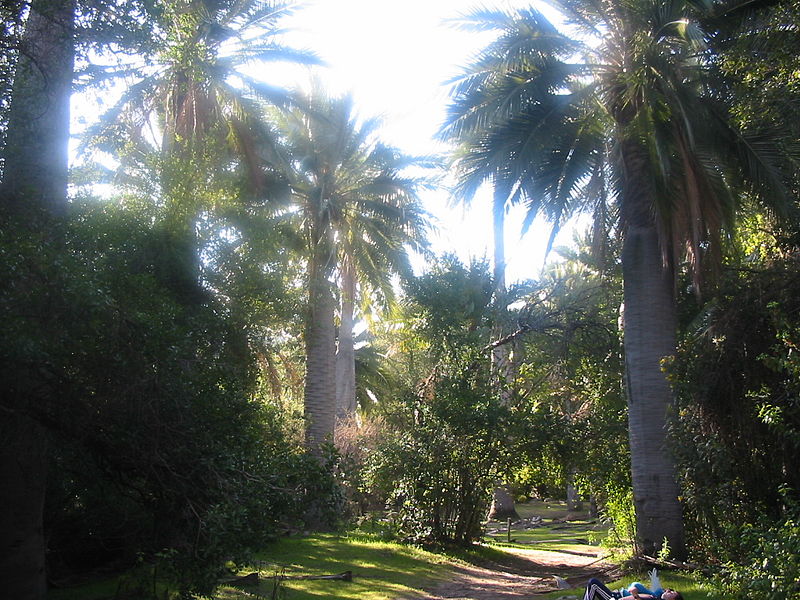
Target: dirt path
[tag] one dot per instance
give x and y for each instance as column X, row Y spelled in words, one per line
column 525, row 573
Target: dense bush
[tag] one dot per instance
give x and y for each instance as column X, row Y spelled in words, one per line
column 440, row 459
column 737, row 435
column 161, row 449
column 763, row 561
column 738, row 431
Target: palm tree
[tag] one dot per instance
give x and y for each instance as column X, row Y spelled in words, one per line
column 376, row 231
column 470, row 176
column 629, row 111
column 359, row 216
column 195, row 110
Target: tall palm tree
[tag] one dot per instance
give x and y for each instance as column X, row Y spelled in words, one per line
column 359, row 213
column 195, row 110
column 628, row 111
column 378, row 229
column 470, row 176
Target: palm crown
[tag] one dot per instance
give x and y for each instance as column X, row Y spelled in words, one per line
column 195, row 91
column 549, row 114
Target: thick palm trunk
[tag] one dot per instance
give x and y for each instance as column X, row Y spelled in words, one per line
column 35, row 156
column 320, row 395
column 34, row 187
column 345, row 352
column 23, row 466
column 650, row 323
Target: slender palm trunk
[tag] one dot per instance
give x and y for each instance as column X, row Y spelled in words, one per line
column 573, row 498
column 650, row 323
column 501, row 356
column 502, row 506
column 505, row 358
column 499, row 232
column 34, row 189
column 345, row 350
column 320, row 334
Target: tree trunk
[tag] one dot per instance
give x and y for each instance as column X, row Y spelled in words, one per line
column 345, row 351
column 649, row 336
column 502, row 364
column 502, row 505
column 23, row 466
column 35, row 157
column 320, row 334
column 574, row 503
column 34, row 189
column 499, row 232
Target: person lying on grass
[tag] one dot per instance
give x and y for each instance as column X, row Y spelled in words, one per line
column 595, row 590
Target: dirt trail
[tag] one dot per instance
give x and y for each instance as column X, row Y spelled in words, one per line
column 525, row 573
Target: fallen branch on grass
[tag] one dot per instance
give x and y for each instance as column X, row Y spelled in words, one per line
column 675, row 564
column 344, row 576
column 252, row 578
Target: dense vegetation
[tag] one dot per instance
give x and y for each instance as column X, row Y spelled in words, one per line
column 186, row 375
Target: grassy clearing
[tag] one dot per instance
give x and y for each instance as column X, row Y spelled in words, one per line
column 560, row 529
column 381, row 570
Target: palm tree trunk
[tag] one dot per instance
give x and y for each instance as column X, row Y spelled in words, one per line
column 502, row 506
column 23, row 469
column 34, row 186
column 501, row 355
column 320, row 334
column 498, row 228
column 35, row 155
column 345, row 351
column 573, row 498
column 649, row 336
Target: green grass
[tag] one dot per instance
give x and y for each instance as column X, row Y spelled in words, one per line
column 387, row 571
column 381, row 570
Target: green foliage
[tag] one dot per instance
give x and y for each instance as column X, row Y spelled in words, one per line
column 738, row 434
column 160, row 446
column 438, row 466
column 763, row 561
column 571, row 378
column 452, row 303
column 444, row 444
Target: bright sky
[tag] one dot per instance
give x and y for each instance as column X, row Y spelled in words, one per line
column 395, row 57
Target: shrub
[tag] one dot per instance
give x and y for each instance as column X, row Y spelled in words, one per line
column 438, row 463
column 766, row 563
